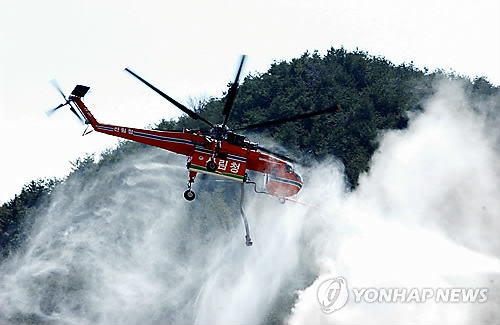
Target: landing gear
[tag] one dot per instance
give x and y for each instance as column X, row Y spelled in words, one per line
column 281, row 200
column 211, row 166
column 189, row 195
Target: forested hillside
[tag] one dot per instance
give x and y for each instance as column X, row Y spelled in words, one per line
column 374, row 95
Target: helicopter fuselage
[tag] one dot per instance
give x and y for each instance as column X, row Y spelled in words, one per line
column 231, row 154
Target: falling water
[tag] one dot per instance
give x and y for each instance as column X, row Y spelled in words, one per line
column 122, row 246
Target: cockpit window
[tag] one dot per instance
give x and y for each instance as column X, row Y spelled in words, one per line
column 289, row 168
column 297, row 176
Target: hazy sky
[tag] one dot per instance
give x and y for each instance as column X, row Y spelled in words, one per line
column 192, row 48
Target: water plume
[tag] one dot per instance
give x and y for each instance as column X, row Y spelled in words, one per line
column 122, row 246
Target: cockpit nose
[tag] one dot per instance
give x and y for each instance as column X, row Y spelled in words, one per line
column 290, row 170
column 284, row 183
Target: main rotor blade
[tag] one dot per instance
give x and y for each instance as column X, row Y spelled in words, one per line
column 290, row 119
column 277, row 155
column 183, row 108
column 231, row 94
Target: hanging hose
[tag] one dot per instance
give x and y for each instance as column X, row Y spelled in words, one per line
column 248, row 240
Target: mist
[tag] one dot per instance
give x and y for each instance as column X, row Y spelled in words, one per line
column 427, row 215
column 123, row 246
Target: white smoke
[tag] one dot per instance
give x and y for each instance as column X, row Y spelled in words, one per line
column 125, row 247
column 427, row 215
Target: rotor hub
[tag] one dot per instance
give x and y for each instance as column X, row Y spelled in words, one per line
column 219, row 132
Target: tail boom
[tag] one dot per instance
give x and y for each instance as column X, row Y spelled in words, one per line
column 179, row 142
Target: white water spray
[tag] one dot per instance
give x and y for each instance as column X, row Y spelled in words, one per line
column 426, row 216
column 124, row 247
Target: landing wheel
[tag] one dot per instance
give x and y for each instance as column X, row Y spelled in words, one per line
column 211, row 166
column 189, row 195
column 282, row 200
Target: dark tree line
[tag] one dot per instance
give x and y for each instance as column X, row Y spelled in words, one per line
column 374, row 95
column 16, row 214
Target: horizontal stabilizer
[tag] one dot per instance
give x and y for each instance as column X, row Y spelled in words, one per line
column 80, row 91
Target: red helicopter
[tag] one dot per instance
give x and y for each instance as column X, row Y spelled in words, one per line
column 218, row 151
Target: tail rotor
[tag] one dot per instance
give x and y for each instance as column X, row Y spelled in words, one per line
column 66, row 102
